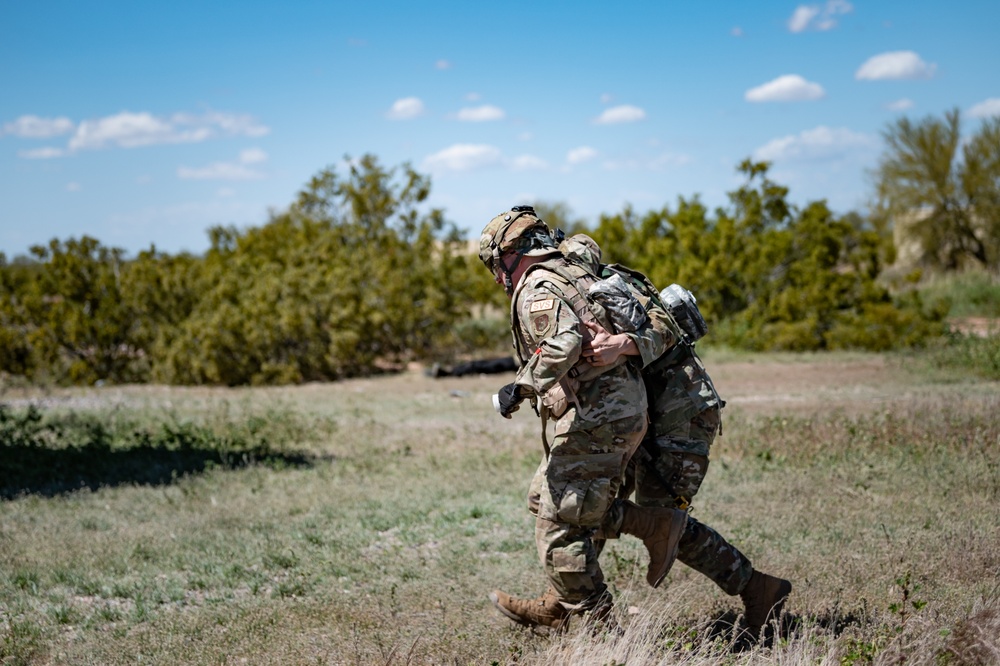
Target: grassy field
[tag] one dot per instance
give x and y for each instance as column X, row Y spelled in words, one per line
column 365, row 522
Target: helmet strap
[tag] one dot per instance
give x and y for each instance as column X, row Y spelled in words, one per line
column 508, row 281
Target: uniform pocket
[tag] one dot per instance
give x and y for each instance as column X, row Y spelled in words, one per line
column 578, row 488
column 570, row 559
column 555, row 401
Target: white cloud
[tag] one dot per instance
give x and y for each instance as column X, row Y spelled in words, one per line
column 405, row 108
column 581, row 155
column 525, row 136
column 528, row 163
column 463, row 157
column 786, row 88
column 903, row 104
column 895, row 65
column 620, row 114
column 442, row 64
column 33, row 127
column 46, row 153
column 737, row 31
column 473, row 97
column 73, row 187
column 481, row 114
column 238, row 170
column 225, row 192
column 815, row 144
column 253, row 156
column 230, row 124
column 818, row 17
column 606, row 98
column 132, row 130
column 801, row 17
column 986, row 108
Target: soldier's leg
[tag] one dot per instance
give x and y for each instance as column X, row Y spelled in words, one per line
column 709, row 553
column 671, row 469
column 671, row 477
column 581, row 480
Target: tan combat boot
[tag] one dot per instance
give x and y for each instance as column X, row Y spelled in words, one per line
column 764, row 597
column 544, row 611
column 660, row 531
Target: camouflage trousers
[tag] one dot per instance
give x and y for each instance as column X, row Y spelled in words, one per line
column 668, row 472
column 573, row 493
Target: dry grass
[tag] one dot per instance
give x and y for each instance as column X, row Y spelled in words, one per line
column 875, row 490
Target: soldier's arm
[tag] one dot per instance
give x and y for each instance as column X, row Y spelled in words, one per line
column 553, row 330
column 656, row 336
column 659, row 334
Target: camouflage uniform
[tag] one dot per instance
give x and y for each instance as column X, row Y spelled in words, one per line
column 600, row 418
column 685, row 417
column 685, row 412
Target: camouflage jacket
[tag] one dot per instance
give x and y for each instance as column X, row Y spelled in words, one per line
column 548, row 339
column 677, row 384
column 679, row 389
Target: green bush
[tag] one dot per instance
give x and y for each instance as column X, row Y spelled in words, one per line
column 769, row 276
column 968, row 294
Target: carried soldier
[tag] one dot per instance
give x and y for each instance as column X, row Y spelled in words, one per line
column 592, row 342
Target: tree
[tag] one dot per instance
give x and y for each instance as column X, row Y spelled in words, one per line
column 70, row 319
column 355, row 274
column 770, row 276
column 946, row 193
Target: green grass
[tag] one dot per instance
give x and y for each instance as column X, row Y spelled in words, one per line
column 404, row 507
column 971, row 294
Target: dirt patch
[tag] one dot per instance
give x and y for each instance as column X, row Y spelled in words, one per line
column 982, row 327
column 806, row 385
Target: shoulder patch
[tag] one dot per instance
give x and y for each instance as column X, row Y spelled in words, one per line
column 543, row 305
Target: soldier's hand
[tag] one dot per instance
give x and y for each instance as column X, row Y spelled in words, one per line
column 601, row 348
column 509, row 400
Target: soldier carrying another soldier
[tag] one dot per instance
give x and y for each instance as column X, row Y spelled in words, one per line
column 580, row 366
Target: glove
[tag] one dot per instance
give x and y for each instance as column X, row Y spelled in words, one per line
column 508, row 400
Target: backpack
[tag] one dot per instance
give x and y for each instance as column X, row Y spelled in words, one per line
column 675, row 299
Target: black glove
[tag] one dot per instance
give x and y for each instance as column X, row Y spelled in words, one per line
column 509, row 400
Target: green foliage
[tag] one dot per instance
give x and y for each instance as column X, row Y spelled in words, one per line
column 770, row 277
column 970, row 293
column 65, row 315
column 359, row 275
column 355, row 276
column 351, row 276
column 944, row 192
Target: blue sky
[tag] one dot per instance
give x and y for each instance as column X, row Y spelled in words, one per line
column 147, row 123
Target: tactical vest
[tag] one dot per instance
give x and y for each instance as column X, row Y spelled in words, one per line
column 573, row 281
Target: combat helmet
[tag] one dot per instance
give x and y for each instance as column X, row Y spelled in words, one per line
column 520, row 231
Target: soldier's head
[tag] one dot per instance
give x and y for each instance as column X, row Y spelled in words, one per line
column 511, row 236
